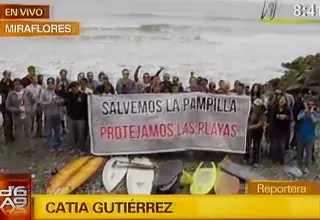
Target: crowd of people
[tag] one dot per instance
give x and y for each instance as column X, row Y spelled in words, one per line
column 62, row 104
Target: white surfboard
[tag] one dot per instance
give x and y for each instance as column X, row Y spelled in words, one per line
column 139, row 181
column 112, row 174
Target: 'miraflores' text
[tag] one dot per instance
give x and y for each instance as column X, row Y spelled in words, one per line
column 198, row 103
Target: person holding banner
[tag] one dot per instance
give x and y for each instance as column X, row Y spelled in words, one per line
column 125, row 85
column 105, row 88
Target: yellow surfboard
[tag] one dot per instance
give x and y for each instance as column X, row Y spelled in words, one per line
column 72, row 175
column 204, row 179
column 186, row 179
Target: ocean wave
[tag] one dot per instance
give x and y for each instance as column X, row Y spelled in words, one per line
column 151, row 28
column 213, row 18
column 139, row 15
column 142, row 38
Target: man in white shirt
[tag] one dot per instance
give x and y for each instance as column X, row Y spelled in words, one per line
column 35, row 89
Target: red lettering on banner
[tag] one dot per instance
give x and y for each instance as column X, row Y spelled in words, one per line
column 169, row 130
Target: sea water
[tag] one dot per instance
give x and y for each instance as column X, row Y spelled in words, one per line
column 216, row 39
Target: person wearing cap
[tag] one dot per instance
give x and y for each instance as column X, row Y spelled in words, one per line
column 21, row 104
column 105, row 88
column 77, row 111
column 52, row 103
column 92, row 83
column 35, row 89
column 125, row 85
column 6, row 85
column 28, row 78
column 255, row 132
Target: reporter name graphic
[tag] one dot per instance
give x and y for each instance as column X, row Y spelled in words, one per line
column 22, row 20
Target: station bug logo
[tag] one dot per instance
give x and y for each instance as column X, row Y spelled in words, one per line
column 15, row 196
column 270, row 9
column 14, row 200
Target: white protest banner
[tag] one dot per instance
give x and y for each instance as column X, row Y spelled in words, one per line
column 153, row 123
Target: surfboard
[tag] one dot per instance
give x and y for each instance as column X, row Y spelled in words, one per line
column 167, row 177
column 139, row 181
column 166, row 171
column 226, row 183
column 186, row 179
column 171, row 187
column 74, row 174
column 113, row 174
column 204, row 179
column 242, row 172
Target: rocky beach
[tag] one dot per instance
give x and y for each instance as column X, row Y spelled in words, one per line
column 36, row 159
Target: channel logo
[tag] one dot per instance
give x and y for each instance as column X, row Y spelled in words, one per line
column 15, row 197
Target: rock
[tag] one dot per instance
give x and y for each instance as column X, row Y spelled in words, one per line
column 302, row 72
column 302, row 79
column 315, row 89
column 294, row 88
column 293, row 171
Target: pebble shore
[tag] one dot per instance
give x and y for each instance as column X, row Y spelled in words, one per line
column 42, row 164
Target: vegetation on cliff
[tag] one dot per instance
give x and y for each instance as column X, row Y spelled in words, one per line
column 302, row 72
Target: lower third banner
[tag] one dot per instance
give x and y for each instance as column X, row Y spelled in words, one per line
column 84, row 207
